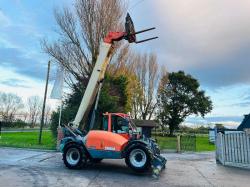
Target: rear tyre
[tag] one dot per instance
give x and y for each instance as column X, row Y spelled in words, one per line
column 138, row 159
column 74, row 156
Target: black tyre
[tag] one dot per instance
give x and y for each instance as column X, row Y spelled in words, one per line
column 96, row 160
column 138, row 159
column 74, row 156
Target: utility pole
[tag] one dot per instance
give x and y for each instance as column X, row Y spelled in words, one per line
column 44, row 103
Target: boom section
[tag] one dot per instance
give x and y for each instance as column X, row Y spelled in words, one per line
column 96, row 77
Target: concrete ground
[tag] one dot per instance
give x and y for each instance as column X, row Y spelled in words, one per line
column 19, row 167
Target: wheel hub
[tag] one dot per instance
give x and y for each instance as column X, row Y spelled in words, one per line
column 73, row 156
column 138, row 158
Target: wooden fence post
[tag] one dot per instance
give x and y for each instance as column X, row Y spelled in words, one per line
column 178, row 146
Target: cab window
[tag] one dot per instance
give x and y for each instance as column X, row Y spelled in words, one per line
column 119, row 124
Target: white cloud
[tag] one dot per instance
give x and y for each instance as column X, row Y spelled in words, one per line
column 4, row 20
column 198, row 29
column 31, row 87
column 5, row 42
column 228, row 124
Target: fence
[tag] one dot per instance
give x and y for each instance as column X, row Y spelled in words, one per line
column 187, row 143
column 180, row 143
column 233, row 148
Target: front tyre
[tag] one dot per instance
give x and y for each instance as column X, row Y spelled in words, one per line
column 138, row 159
column 74, row 157
column 96, row 160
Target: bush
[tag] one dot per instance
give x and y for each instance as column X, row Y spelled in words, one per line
column 15, row 124
column 54, row 123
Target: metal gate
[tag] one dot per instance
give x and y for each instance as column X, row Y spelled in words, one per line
column 233, row 149
column 188, row 142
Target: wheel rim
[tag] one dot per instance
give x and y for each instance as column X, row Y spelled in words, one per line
column 73, row 156
column 138, row 158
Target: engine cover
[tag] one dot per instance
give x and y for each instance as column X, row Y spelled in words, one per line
column 104, row 140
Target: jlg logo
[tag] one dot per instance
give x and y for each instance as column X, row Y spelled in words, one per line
column 110, row 148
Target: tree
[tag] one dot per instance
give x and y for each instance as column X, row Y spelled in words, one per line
column 47, row 114
column 81, row 30
column 179, row 96
column 9, row 106
column 34, row 107
column 147, row 74
column 80, row 33
column 143, row 74
column 113, row 98
column 25, row 116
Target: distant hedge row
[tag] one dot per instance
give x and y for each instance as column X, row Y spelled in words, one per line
column 14, row 124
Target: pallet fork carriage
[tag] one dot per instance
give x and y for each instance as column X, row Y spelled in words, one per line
column 118, row 138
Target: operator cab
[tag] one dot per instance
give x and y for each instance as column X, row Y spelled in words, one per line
column 118, row 123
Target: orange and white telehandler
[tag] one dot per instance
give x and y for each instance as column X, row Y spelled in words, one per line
column 118, row 138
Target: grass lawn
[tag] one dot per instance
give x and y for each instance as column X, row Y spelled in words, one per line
column 28, row 140
column 166, row 142
column 202, row 143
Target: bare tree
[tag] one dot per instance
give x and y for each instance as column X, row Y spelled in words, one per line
column 34, row 107
column 25, row 115
column 144, row 99
column 9, row 106
column 81, row 31
column 47, row 114
column 143, row 73
column 125, row 66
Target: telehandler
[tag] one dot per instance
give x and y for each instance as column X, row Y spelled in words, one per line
column 118, row 138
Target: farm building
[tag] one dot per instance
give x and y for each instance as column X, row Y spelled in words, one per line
column 245, row 123
column 145, row 126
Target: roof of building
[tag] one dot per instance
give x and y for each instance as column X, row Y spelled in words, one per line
column 144, row 123
column 245, row 123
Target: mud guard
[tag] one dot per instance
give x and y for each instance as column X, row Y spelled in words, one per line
column 73, row 140
column 131, row 144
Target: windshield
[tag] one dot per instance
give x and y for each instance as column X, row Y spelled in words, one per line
column 131, row 123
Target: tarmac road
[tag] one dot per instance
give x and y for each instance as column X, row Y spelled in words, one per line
column 20, row 167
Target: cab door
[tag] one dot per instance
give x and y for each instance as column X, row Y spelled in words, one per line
column 120, row 125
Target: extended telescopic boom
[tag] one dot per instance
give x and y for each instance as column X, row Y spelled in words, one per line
column 97, row 76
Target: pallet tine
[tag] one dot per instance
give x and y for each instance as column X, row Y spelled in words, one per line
column 145, row 30
column 146, row 40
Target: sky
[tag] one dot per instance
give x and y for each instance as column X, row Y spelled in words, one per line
column 208, row 39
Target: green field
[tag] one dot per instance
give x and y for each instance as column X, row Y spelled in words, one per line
column 27, row 140
column 30, row 140
column 202, row 143
column 166, row 142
